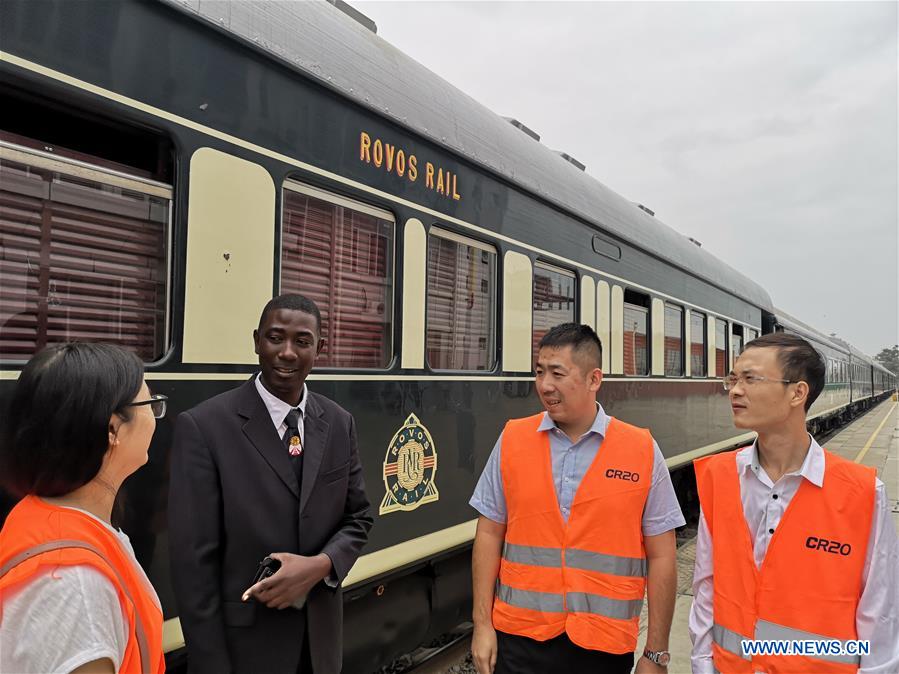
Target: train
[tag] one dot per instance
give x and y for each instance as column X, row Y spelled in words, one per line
column 854, row 381
column 167, row 166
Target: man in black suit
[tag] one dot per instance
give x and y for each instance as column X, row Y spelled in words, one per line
column 267, row 469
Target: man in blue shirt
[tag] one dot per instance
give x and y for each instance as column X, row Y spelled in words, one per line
column 568, row 377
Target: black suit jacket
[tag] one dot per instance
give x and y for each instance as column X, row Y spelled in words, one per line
column 234, row 499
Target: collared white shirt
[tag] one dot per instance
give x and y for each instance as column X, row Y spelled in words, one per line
column 278, row 409
column 764, row 504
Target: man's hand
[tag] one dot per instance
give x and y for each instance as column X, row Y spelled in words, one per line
column 647, row 666
column 293, row 580
column 483, row 648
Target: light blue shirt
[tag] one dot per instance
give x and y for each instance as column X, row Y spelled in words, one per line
column 570, row 461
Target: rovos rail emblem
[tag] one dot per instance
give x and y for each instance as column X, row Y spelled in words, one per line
column 410, row 468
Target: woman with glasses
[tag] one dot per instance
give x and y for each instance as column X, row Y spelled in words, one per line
column 72, row 596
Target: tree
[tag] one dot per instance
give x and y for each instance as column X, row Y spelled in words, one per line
column 889, row 358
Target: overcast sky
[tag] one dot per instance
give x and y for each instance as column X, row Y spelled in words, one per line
column 766, row 130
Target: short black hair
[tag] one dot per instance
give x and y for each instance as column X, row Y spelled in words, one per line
column 56, row 431
column 798, row 359
column 294, row 302
column 582, row 339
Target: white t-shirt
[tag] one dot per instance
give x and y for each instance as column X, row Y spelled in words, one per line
column 62, row 618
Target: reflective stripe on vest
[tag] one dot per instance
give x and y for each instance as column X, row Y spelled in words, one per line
column 576, row 559
column 765, row 630
column 546, row 602
column 578, row 602
column 621, row 609
column 729, row 640
column 532, row 555
column 610, row 564
column 141, row 634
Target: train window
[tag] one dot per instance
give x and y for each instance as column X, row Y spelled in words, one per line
column 721, row 366
column 84, row 254
column 736, row 342
column 62, row 130
column 698, row 352
column 751, row 334
column 461, row 303
column 636, row 327
column 553, row 299
column 339, row 253
column 674, row 341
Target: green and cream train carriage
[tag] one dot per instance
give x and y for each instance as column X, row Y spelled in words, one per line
column 853, row 381
column 167, row 166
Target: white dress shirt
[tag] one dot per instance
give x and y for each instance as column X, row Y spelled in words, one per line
column 764, row 503
column 278, row 409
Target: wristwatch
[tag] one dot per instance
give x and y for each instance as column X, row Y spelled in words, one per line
column 661, row 658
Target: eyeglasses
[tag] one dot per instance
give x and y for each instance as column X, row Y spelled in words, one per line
column 732, row 380
column 157, row 405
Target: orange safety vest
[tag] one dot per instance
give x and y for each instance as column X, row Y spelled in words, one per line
column 37, row 534
column 810, row 581
column 586, row 577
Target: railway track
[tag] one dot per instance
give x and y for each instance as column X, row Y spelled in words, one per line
column 446, row 653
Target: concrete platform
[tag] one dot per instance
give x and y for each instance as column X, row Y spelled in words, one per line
column 872, row 439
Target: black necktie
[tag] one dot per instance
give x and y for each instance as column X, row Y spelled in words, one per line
column 293, row 443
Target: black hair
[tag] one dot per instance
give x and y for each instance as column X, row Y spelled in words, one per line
column 798, row 360
column 294, row 302
column 56, row 430
column 582, row 339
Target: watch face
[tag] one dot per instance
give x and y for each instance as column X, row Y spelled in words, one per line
column 664, row 658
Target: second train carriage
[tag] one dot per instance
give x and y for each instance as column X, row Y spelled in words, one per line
column 854, row 381
column 165, row 167
column 835, row 400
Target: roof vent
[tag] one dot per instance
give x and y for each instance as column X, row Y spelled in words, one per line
column 518, row 125
column 571, row 160
column 646, row 210
column 698, row 243
column 355, row 14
